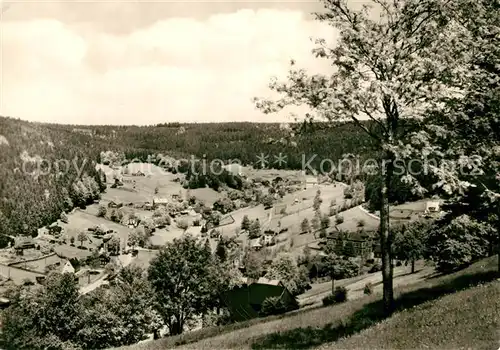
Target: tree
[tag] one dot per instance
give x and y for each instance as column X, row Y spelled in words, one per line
column 285, row 269
column 253, row 262
column 337, row 266
column 385, row 68
column 183, row 224
column 471, row 119
column 136, row 238
column 317, row 201
column 82, row 237
column 114, row 245
column 316, row 222
column 267, row 200
column 304, row 226
column 114, row 215
column 120, row 315
column 255, row 231
column 47, row 318
column 409, row 242
column 182, row 276
column 101, row 211
column 245, row 223
column 325, row 222
column 220, row 251
column 459, row 243
column 224, row 205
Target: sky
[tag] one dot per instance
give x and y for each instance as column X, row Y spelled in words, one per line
column 147, row 62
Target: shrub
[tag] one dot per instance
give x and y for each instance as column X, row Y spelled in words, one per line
column 329, row 300
column 27, row 282
column 361, row 223
column 276, row 306
column 182, row 224
column 339, row 296
column 376, row 268
column 101, row 212
column 368, row 290
column 339, row 219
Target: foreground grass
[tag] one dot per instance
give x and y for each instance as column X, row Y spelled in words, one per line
column 469, row 319
column 315, row 327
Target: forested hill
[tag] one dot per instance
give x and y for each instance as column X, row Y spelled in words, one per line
column 45, row 169
column 50, row 168
column 242, row 141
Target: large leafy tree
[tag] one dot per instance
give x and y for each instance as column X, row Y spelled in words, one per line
column 121, row 315
column 471, row 123
column 338, row 266
column 285, row 268
column 385, row 69
column 409, row 242
column 459, row 243
column 47, row 318
column 183, row 278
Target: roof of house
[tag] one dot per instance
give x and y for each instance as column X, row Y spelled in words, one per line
column 67, row 267
column 261, row 280
column 255, row 242
column 20, row 241
column 160, row 200
column 351, row 236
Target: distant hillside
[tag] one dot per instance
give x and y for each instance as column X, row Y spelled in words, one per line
column 43, row 164
column 40, row 165
column 241, row 141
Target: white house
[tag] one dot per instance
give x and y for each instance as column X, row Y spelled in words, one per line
column 432, row 207
column 68, row 268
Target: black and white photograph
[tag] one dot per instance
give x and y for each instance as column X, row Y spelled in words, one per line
column 267, row 174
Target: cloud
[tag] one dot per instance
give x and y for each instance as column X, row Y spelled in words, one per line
column 176, row 69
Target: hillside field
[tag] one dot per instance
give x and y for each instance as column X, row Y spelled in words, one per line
column 354, row 324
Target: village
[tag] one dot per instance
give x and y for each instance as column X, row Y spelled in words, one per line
column 145, row 207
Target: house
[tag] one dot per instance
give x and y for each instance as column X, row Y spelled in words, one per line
column 148, row 206
column 68, row 268
column 362, row 242
column 114, row 204
column 157, row 201
column 255, row 244
column 431, row 207
column 176, row 196
column 267, row 240
column 4, row 303
column 245, row 301
column 22, row 243
column 132, row 223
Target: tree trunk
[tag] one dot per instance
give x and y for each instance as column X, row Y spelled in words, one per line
column 175, row 327
column 156, row 334
column 333, row 285
column 386, row 242
column 413, row 266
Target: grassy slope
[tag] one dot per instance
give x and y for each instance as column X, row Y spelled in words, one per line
column 316, row 327
column 469, row 319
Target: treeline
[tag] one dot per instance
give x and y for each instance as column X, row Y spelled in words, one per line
column 238, row 141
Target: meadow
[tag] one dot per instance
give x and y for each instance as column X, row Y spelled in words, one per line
column 342, row 325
